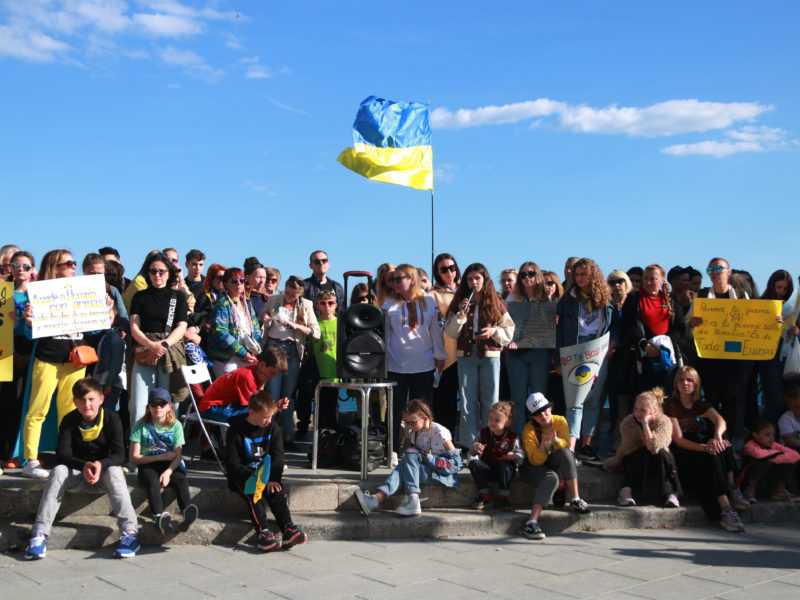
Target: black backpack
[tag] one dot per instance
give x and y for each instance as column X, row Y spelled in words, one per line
column 351, row 448
column 329, row 449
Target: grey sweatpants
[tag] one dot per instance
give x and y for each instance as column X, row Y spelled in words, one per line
column 545, row 477
column 62, row 478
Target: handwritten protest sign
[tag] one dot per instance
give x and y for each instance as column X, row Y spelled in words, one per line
column 6, row 331
column 737, row 329
column 534, row 324
column 583, row 367
column 68, row 305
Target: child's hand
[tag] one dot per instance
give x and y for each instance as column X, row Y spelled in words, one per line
column 165, row 477
column 273, row 487
column 510, row 456
column 478, row 448
column 283, row 403
column 91, row 472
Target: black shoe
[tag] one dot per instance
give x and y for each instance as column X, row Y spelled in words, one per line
column 580, row 507
column 301, row 434
column 266, row 541
column 164, row 522
column 532, row 531
column 291, row 446
column 589, row 453
column 293, row 536
column 560, row 498
column 189, row 516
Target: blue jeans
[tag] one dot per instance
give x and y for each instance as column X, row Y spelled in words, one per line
column 223, row 413
column 412, row 471
column 478, row 386
column 283, row 386
column 527, row 373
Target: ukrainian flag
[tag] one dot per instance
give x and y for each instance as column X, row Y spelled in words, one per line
column 392, row 143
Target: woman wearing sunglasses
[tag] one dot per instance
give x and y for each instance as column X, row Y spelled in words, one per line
column 528, row 368
column 446, row 276
column 288, row 320
column 52, row 370
column 235, row 338
column 12, row 393
column 256, row 275
column 158, row 317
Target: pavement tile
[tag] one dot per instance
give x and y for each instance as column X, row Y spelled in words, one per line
column 435, row 588
column 343, row 586
column 494, row 578
column 569, row 561
column 489, row 557
column 768, row 589
column 650, row 568
column 12, row 582
column 522, row 592
column 679, row 587
column 151, row 573
column 411, row 572
column 399, row 551
column 741, row 575
column 586, row 583
column 793, row 579
column 332, row 566
column 49, row 571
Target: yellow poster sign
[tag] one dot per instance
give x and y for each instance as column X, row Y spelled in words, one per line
column 6, row 331
column 737, row 329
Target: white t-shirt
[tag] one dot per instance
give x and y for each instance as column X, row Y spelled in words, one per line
column 414, row 351
column 788, row 425
column 432, row 440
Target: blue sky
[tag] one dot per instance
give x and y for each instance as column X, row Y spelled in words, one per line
column 630, row 132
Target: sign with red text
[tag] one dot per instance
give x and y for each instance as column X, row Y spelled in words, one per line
column 581, row 366
column 69, row 305
column 737, row 329
column 6, row 331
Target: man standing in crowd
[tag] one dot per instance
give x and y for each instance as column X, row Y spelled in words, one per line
column 195, row 262
column 319, row 282
column 109, row 253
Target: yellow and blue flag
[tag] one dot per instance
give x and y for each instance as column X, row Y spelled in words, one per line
column 392, row 143
column 256, row 483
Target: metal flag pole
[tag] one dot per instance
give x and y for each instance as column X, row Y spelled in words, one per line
column 432, row 229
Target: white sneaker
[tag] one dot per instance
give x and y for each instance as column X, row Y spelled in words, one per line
column 34, row 470
column 367, row 501
column 393, row 460
column 410, row 506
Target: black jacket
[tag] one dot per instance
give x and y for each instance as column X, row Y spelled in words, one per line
column 247, row 445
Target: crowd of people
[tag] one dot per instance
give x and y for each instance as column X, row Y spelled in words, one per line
column 469, row 388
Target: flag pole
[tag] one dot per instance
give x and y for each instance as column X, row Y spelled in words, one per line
column 432, row 254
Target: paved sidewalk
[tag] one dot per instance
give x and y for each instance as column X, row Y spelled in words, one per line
column 684, row 564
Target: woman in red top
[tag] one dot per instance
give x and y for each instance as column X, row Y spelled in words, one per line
column 652, row 327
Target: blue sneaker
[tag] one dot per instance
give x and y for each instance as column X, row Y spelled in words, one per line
column 128, row 545
column 37, row 548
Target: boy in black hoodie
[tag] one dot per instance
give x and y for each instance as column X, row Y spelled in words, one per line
column 251, row 439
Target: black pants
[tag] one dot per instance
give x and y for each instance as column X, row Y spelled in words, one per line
column 502, row 472
column 410, row 386
column 148, row 476
column 277, row 503
column 307, row 381
column 445, row 399
column 328, row 403
column 705, row 476
column 642, row 464
column 11, row 397
column 766, row 474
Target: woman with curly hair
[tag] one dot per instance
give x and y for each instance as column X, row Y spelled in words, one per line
column 384, row 287
column 584, row 314
column 479, row 322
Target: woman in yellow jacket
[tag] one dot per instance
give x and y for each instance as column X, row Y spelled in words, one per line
column 546, row 443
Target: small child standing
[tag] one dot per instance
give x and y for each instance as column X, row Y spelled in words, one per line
column 255, row 448
column 498, row 455
column 644, row 451
column 546, row 442
column 156, row 444
column 430, row 456
column 90, row 452
column 768, row 465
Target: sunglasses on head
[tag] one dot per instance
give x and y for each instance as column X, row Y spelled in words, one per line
column 19, row 266
column 444, row 269
column 157, row 403
column 616, row 281
column 157, row 271
column 327, row 302
column 68, row 263
column 527, row 275
column 717, row 269
column 319, row 261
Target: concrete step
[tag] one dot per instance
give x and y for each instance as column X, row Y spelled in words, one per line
column 81, row 531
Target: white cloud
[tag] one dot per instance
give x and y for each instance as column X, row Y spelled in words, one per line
column 664, row 118
column 259, row 72
column 168, row 25
column 30, row 45
column 192, row 62
column 747, row 139
column 264, row 189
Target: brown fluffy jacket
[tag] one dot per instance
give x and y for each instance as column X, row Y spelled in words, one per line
column 631, row 434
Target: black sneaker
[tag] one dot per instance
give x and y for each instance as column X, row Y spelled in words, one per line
column 560, row 498
column 164, row 522
column 532, row 531
column 580, row 507
column 589, row 453
column 293, row 536
column 190, row 514
column 266, row 541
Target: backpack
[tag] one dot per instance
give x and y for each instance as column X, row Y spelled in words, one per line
column 351, row 448
column 329, row 449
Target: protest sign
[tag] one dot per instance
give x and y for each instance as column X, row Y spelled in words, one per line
column 583, row 367
column 68, row 305
column 534, row 324
column 6, row 331
column 737, row 329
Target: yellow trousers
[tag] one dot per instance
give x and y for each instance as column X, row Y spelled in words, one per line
column 45, row 378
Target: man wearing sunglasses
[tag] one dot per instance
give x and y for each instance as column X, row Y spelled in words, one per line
column 723, row 380
column 319, row 282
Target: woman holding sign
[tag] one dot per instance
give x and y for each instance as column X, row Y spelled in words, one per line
column 528, row 368
column 52, row 369
column 584, row 314
column 479, row 322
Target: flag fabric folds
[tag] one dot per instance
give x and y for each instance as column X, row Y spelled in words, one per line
column 258, row 481
column 392, row 143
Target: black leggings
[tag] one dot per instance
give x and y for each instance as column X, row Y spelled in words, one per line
column 643, row 464
column 705, row 476
column 767, row 475
column 502, row 471
column 148, row 476
column 277, row 503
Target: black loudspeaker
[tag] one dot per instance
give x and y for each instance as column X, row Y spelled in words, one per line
column 361, row 347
